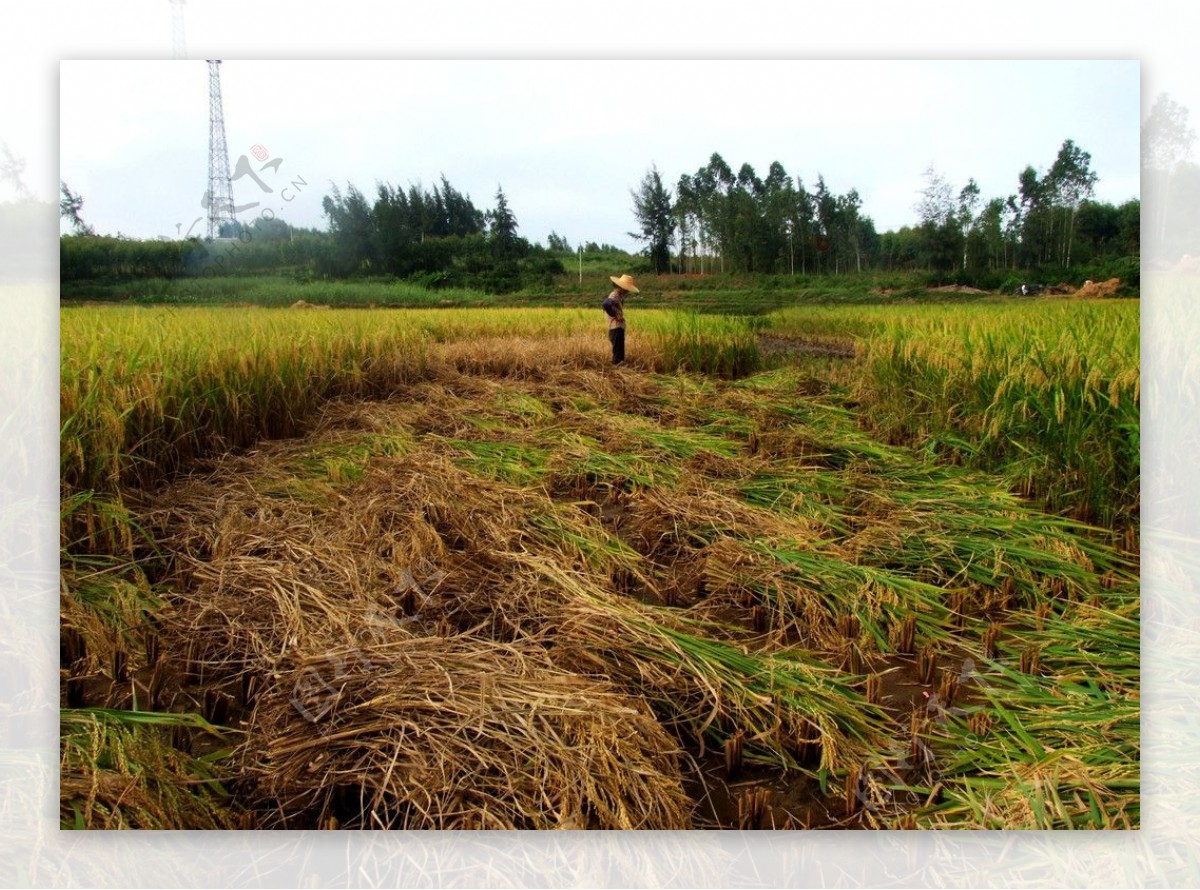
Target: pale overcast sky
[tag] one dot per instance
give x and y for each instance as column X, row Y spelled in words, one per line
column 568, row 140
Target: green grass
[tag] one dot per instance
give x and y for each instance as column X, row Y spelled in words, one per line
column 708, row 294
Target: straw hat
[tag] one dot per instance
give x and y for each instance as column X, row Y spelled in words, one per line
column 625, row 282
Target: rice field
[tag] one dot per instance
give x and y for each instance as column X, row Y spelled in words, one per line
column 450, row 569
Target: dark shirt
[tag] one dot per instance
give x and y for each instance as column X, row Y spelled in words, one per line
column 615, row 310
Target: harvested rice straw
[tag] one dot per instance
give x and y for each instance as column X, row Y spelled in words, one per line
column 463, row 733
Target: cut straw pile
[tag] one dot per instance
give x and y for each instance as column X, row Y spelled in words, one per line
column 430, row 732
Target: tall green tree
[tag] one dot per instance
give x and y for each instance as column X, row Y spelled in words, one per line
column 901, row 249
column 654, row 211
column 70, row 206
column 1070, row 181
column 1167, row 137
column 703, row 198
column 459, row 215
column 776, row 205
column 396, row 230
column 940, row 235
column 352, row 224
column 849, row 227
column 825, row 214
column 721, row 205
column 503, row 229
column 802, row 225
column 744, row 209
column 686, row 221
column 936, row 204
column 968, row 201
column 990, row 232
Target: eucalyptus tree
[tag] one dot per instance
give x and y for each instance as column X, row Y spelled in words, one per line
column 721, row 204
column 777, row 204
column 1034, row 218
column 706, row 200
column 825, row 212
column 968, row 201
column 990, row 231
column 1167, row 138
column 686, row 219
column 849, row 226
column 1169, row 178
column 938, row 214
column 802, row 224
column 744, row 214
column 1071, row 181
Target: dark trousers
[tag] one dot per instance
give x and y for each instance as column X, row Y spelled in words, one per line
column 617, row 337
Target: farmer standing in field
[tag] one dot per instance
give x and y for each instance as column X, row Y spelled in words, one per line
column 614, row 308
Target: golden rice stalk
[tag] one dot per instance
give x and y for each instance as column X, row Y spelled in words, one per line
column 733, row 754
column 927, row 660
column 991, row 635
column 458, row 733
column 902, row 634
column 754, row 808
column 1030, row 662
column 852, row 790
column 980, row 723
column 948, row 688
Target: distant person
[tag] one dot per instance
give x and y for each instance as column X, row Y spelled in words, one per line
column 614, row 308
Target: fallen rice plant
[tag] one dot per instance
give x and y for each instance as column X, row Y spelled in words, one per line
column 460, row 733
column 1053, row 742
column 1046, row 394
column 541, row 585
column 119, row 769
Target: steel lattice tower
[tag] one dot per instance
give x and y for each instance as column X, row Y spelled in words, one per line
column 178, row 43
column 220, row 185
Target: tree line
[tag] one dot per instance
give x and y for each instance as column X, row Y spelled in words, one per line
column 437, row 237
column 718, row 220
column 714, row 220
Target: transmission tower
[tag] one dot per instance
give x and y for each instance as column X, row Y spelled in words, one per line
column 178, row 44
column 220, row 186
